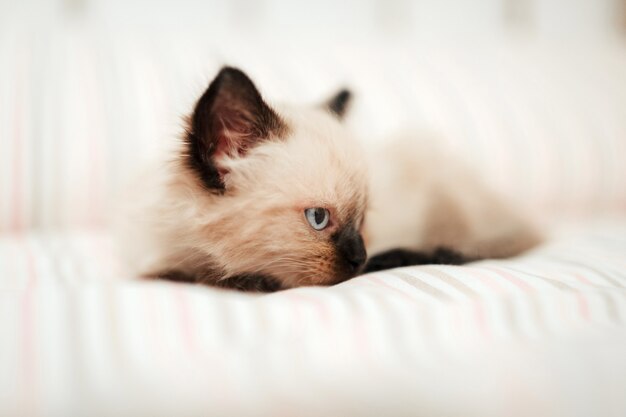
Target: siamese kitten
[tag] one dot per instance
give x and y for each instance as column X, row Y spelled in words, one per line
column 262, row 197
column 253, row 197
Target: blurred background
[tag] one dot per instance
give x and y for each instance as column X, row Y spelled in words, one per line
column 328, row 19
column 530, row 91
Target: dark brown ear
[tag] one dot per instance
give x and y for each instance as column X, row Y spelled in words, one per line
column 229, row 119
column 339, row 103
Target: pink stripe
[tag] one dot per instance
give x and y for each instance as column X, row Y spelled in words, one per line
column 186, row 321
column 582, row 279
column 481, row 320
column 583, row 304
column 511, row 278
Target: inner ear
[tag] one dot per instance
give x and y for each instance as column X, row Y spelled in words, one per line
column 338, row 104
column 230, row 118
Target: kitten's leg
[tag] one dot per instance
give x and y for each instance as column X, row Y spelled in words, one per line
column 251, row 283
column 396, row 258
column 244, row 282
column 176, row 276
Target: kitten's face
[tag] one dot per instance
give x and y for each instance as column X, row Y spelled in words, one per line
column 284, row 189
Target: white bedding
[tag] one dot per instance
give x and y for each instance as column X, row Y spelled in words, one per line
column 541, row 335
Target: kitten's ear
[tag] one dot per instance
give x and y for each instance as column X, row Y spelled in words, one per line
column 230, row 118
column 339, row 103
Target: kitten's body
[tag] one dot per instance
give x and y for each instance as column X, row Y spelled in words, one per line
column 227, row 204
column 424, row 199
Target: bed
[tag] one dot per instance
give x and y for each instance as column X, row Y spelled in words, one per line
column 543, row 334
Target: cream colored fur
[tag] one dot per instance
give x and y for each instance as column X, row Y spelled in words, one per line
column 418, row 199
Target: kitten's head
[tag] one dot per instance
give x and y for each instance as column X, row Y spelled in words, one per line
column 282, row 191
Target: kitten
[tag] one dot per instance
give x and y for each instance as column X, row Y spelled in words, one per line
column 262, row 197
column 254, row 196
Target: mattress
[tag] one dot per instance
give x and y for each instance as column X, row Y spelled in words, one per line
column 543, row 334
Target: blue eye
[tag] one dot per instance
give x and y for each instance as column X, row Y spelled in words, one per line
column 317, row 217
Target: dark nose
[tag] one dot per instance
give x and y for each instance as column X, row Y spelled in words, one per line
column 351, row 249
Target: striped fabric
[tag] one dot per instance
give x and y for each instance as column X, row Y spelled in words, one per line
column 540, row 335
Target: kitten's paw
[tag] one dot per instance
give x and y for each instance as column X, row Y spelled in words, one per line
column 396, row 258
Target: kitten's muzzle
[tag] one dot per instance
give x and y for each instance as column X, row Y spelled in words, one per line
column 350, row 250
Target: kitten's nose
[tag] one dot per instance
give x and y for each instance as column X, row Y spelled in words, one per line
column 351, row 248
